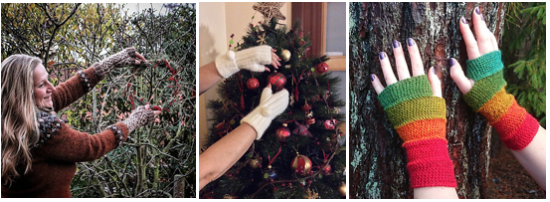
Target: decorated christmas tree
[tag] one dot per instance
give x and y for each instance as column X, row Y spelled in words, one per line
column 302, row 153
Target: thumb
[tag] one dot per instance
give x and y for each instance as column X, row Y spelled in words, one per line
column 457, row 74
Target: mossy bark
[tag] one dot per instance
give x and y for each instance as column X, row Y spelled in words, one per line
column 378, row 162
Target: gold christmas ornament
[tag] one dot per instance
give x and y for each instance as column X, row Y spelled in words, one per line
column 285, row 55
column 301, row 164
column 342, row 189
column 254, row 163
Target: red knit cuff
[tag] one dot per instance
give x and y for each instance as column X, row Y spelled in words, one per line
column 521, row 137
column 516, row 127
column 429, row 163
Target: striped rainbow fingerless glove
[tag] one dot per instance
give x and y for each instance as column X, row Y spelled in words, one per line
column 516, row 127
column 419, row 118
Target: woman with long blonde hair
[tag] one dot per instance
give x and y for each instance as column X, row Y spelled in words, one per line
column 40, row 151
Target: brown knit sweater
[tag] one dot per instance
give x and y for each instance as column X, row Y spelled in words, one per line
column 54, row 160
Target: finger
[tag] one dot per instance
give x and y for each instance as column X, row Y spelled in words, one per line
column 400, row 62
column 435, row 83
column 138, row 62
column 469, row 40
column 386, row 68
column 378, row 87
column 457, row 74
column 275, row 60
column 482, row 34
column 157, row 113
column 147, row 107
column 493, row 41
column 416, row 61
column 141, row 57
column 273, row 50
column 267, row 69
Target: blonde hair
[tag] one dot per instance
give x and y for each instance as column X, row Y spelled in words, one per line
column 19, row 123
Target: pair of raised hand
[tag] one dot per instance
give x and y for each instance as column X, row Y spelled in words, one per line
column 254, row 59
column 142, row 115
column 417, row 111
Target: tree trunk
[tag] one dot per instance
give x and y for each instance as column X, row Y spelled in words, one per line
column 378, row 162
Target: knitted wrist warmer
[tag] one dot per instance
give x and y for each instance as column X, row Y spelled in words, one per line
column 139, row 117
column 271, row 105
column 252, row 59
column 488, row 96
column 419, row 118
column 123, row 58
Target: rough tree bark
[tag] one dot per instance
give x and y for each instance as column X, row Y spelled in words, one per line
column 378, row 162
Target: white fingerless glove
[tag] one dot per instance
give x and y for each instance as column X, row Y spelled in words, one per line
column 139, row 117
column 252, row 59
column 271, row 105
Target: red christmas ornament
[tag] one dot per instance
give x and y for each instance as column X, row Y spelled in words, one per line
column 306, row 107
column 301, row 130
column 301, row 164
column 157, row 108
column 330, row 124
column 327, row 170
column 252, row 83
column 277, row 80
column 283, row 133
column 321, row 68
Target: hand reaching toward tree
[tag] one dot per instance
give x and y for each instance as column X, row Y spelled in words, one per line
column 126, row 57
column 484, row 90
column 252, row 59
column 418, row 113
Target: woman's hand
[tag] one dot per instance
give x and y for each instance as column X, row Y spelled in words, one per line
column 252, row 59
column 417, row 112
column 141, row 116
column 402, row 68
column 126, row 57
column 485, row 43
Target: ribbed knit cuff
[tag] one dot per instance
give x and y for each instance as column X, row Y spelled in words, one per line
column 484, row 66
column 408, row 89
column 429, row 164
column 516, row 127
column 483, row 90
column 226, row 64
column 259, row 122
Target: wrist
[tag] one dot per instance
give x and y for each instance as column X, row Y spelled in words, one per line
column 226, row 64
column 257, row 121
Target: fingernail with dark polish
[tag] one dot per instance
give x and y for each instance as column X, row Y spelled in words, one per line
column 382, row 55
column 451, row 62
column 395, row 44
column 410, row 42
column 372, row 77
column 477, row 11
column 464, row 20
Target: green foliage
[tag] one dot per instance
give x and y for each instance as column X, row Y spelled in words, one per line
column 155, row 158
column 524, row 48
column 320, row 91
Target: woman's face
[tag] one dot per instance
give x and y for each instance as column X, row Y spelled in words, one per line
column 43, row 89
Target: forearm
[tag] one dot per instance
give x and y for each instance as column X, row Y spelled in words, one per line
column 219, row 157
column 74, row 88
column 435, row 193
column 533, row 157
column 209, row 77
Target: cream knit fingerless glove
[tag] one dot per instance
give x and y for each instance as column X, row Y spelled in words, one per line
column 271, row 105
column 252, row 59
column 139, row 117
column 123, row 58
